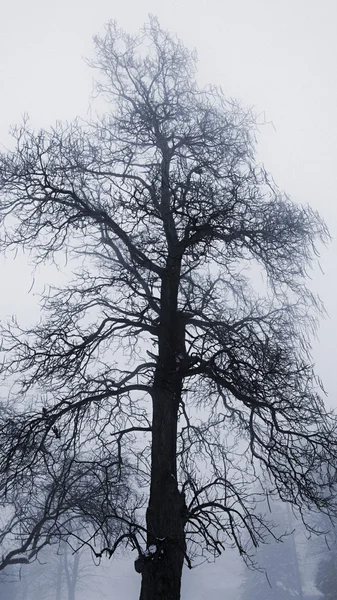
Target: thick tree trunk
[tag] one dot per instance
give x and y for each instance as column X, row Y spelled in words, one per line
column 161, row 566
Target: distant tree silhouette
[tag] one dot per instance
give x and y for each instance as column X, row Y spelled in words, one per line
column 276, row 575
column 8, row 588
column 58, row 574
column 322, row 551
column 326, row 576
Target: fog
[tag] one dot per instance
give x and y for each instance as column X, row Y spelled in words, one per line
column 282, row 570
column 279, row 58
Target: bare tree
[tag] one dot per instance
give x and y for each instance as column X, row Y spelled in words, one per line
column 57, row 573
column 163, row 353
column 276, row 573
column 8, row 587
column 53, row 494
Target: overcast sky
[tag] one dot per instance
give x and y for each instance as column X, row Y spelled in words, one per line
column 276, row 55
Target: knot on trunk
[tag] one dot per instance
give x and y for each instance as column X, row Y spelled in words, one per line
column 153, row 554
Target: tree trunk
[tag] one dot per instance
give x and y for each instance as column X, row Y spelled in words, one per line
column 74, row 575
column 161, row 566
column 25, row 586
column 71, row 570
column 58, row 586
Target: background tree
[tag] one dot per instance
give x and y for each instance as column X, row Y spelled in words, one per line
column 58, row 499
column 322, row 556
column 326, row 576
column 276, row 575
column 160, row 357
column 8, row 588
column 56, row 574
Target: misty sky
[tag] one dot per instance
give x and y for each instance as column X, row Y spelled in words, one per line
column 278, row 56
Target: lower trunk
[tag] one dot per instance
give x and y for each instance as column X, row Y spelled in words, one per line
column 162, row 563
column 58, row 586
column 161, row 577
column 161, row 567
column 71, row 570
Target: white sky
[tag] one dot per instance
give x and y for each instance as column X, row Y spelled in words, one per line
column 277, row 55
